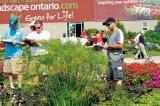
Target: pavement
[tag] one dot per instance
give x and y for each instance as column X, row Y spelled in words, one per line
column 154, row 59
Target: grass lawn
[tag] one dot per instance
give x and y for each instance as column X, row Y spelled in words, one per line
column 149, row 53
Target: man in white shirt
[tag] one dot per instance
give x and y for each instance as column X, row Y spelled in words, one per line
column 136, row 39
column 37, row 41
column 39, row 37
column 141, row 48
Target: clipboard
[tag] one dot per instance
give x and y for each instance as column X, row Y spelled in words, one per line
column 7, row 41
column 28, row 42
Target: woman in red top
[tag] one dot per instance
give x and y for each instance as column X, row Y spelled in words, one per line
column 99, row 37
column 84, row 34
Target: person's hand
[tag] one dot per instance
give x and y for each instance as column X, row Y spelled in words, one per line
column 106, row 46
column 33, row 41
column 15, row 43
column 138, row 45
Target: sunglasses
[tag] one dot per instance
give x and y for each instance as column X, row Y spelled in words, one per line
column 37, row 27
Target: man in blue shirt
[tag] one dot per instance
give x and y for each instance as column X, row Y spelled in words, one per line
column 13, row 38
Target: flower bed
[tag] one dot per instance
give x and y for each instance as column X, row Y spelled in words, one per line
column 142, row 74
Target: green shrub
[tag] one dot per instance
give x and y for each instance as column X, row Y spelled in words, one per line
column 152, row 47
column 121, row 26
column 131, row 34
column 152, row 36
column 157, row 27
column 121, row 97
column 90, row 31
column 94, row 30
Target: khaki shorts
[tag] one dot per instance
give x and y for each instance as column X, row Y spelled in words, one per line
column 13, row 65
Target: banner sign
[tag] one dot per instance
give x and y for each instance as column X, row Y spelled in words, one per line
column 126, row 9
column 47, row 10
column 50, row 11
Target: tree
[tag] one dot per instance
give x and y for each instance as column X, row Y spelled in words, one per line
column 157, row 27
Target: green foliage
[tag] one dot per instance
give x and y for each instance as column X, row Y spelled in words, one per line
column 131, row 34
column 158, row 19
column 120, row 97
column 152, row 48
column 138, row 79
column 75, row 73
column 121, row 26
column 37, row 94
column 157, row 27
column 151, row 99
column 152, row 36
column 94, row 30
column 74, row 80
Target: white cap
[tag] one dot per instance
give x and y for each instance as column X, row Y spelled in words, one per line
column 31, row 24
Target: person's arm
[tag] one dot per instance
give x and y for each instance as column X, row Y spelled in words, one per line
column 19, row 43
column 33, row 41
column 116, row 46
column 40, row 41
column 22, row 43
column 137, row 39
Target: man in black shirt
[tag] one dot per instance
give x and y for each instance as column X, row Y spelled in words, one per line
column 141, row 46
column 141, row 39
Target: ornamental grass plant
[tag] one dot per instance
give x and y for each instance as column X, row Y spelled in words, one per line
column 73, row 75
